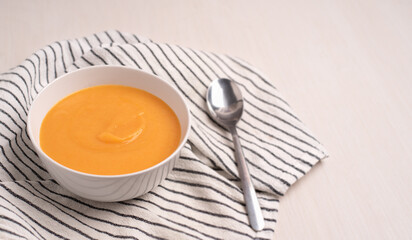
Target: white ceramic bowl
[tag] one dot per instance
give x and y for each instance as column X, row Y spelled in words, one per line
column 102, row 187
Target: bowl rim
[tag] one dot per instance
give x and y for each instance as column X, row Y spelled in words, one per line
column 164, row 161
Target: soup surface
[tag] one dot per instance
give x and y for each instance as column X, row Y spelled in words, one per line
column 110, row 130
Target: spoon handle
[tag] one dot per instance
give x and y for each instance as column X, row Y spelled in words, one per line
column 252, row 204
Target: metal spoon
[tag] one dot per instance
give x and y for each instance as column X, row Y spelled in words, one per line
column 225, row 104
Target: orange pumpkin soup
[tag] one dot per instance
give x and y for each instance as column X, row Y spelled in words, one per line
column 110, row 130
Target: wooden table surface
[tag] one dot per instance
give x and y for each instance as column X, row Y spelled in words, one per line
column 344, row 66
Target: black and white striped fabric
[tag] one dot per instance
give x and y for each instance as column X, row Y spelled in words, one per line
column 201, row 199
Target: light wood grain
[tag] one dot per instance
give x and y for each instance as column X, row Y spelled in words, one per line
column 344, row 66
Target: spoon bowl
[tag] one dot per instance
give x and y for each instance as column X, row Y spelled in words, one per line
column 225, row 104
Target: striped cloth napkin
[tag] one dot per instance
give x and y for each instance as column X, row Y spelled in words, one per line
column 201, row 198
